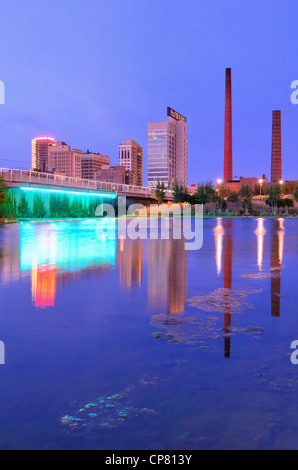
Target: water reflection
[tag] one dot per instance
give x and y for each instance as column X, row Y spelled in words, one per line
column 218, row 235
column 223, row 234
column 93, row 357
column 167, row 275
column 54, row 252
column 277, row 248
column 10, row 259
column 130, row 259
column 228, row 274
column 260, row 232
column 44, row 286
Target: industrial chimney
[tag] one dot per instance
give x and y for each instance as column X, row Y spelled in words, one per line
column 228, row 151
column 276, row 165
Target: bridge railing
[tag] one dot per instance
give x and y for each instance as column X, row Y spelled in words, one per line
column 48, row 179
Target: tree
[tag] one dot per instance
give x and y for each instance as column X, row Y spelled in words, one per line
column 39, row 210
column 3, row 195
column 179, row 192
column 53, row 206
column 233, row 196
column 274, row 196
column 220, row 197
column 246, row 194
column 205, row 193
column 3, row 191
column 295, row 193
column 23, row 208
column 260, row 189
column 65, row 206
column 285, row 202
column 289, row 186
column 159, row 192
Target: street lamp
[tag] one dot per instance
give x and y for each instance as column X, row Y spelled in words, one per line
column 261, row 184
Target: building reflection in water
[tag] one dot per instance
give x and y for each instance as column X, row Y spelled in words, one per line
column 277, row 248
column 218, row 235
column 260, row 232
column 228, row 274
column 43, row 286
column 54, row 252
column 49, row 253
column 177, row 277
column 130, row 257
column 10, row 259
column 223, row 234
column 167, row 275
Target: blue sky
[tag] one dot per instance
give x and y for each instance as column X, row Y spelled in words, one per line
column 94, row 72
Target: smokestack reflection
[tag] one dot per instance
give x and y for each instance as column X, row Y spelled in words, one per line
column 228, row 267
column 277, row 247
column 223, row 235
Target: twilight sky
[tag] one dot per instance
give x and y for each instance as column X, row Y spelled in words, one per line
column 94, row 72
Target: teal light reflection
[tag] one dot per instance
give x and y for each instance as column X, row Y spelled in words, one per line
column 67, row 246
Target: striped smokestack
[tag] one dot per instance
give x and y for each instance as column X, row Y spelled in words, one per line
column 276, row 165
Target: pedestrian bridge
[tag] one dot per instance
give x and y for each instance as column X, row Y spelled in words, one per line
column 34, row 179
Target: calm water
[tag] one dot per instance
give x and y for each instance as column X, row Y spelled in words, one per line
column 177, row 349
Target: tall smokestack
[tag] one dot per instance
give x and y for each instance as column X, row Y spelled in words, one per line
column 228, row 154
column 276, row 167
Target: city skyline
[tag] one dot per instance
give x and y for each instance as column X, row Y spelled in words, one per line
column 97, row 110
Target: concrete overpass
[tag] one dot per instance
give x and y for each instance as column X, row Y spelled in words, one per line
column 33, row 179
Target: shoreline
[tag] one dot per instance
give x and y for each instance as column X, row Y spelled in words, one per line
column 208, row 217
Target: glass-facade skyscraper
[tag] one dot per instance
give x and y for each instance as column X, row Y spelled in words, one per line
column 167, row 150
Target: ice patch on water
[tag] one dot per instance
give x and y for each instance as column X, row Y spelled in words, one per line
column 192, row 331
column 223, row 300
column 108, row 412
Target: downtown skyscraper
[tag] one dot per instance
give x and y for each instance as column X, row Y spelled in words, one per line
column 131, row 157
column 167, row 150
column 40, row 153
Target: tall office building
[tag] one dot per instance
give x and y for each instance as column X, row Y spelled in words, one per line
column 40, row 153
column 167, row 150
column 131, row 156
column 65, row 161
column 91, row 163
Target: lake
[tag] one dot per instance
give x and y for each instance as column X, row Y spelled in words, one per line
column 140, row 344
